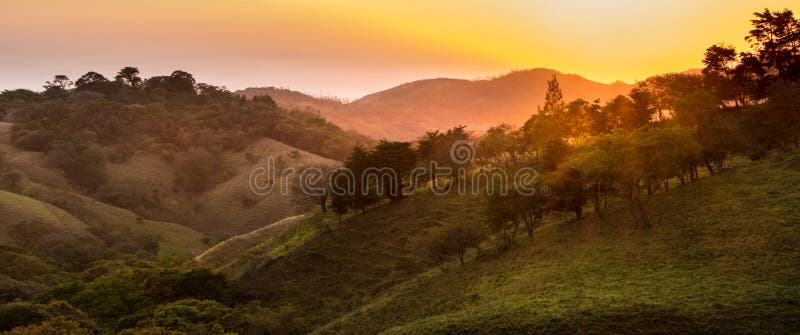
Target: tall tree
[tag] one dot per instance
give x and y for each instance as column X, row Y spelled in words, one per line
column 776, row 36
column 129, row 76
column 60, row 82
column 578, row 119
column 93, row 81
column 641, row 111
column 501, row 145
column 553, row 99
column 720, row 62
column 364, row 195
column 616, row 109
column 436, row 146
column 400, row 159
column 599, row 119
column 669, row 87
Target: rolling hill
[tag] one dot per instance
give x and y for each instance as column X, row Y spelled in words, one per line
column 227, row 208
column 45, row 243
column 721, row 258
column 145, row 184
column 230, row 250
column 407, row 111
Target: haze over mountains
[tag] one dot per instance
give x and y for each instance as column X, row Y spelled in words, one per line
column 407, row 111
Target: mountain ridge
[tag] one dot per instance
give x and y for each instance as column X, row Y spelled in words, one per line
column 408, row 110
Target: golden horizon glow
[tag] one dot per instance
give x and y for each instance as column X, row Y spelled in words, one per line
column 352, row 48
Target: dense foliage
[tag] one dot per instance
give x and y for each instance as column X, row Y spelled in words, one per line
column 99, row 120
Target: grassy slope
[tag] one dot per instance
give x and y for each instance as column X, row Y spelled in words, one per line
column 328, row 273
column 16, row 209
column 219, row 211
column 723, row 257
column 174, row 239
column 70, row 213
column 226, row 252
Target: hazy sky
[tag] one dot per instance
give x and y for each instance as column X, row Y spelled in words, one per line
column 351, row 48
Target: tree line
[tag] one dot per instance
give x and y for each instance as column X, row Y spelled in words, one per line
column 663, row 132
column 81, row 125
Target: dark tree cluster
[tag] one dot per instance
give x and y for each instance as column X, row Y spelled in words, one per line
column 372, row 175
column 665, row 128
column 82, row 125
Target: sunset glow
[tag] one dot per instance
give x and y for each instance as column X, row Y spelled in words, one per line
column 359, row 47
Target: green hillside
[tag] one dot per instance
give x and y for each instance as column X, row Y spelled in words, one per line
column 722, row 257
column 113, row 223
column 145, row 184
column 226, row 252
column 338, row 267
column 18, row 210
column 70, row 231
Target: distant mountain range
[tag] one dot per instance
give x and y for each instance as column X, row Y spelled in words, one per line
column 407, row 111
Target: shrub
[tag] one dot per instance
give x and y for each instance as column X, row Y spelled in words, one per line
column 35, row 140
column 56, row 326
column 12, row 289
column 454, row 240
column 199, row 171
column 202, row 284
column 18, row 314
column 87, row 168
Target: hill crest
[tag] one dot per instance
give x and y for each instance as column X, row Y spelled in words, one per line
column 406, row 111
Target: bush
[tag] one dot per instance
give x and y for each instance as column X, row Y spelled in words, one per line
column 36, row 140
column 199, row 171
column 202, row 284
column 84, row 167
column 56, row 326
column 20, row 266
column 11, row 289
column 87, row 168
column 18, row 314
column 454, row 240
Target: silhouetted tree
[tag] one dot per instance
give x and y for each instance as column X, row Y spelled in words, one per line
column 501, row 145
column 179, row 82
column 641, row 111
column 60, row 81
column 720, row 62
column 616, row 109
column 436, row 146
column 599, row 119
column 364, row 195
column 129, row 76
column 553, row 99
column 400, row 158
column 93, row 81
column 776, row 37
column 667, row 88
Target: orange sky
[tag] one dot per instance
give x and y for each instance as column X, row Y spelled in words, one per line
column 351, row 48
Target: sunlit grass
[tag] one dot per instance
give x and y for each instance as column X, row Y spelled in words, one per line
column 722, row 257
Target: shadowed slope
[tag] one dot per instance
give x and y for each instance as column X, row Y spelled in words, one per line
column 722, row 257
